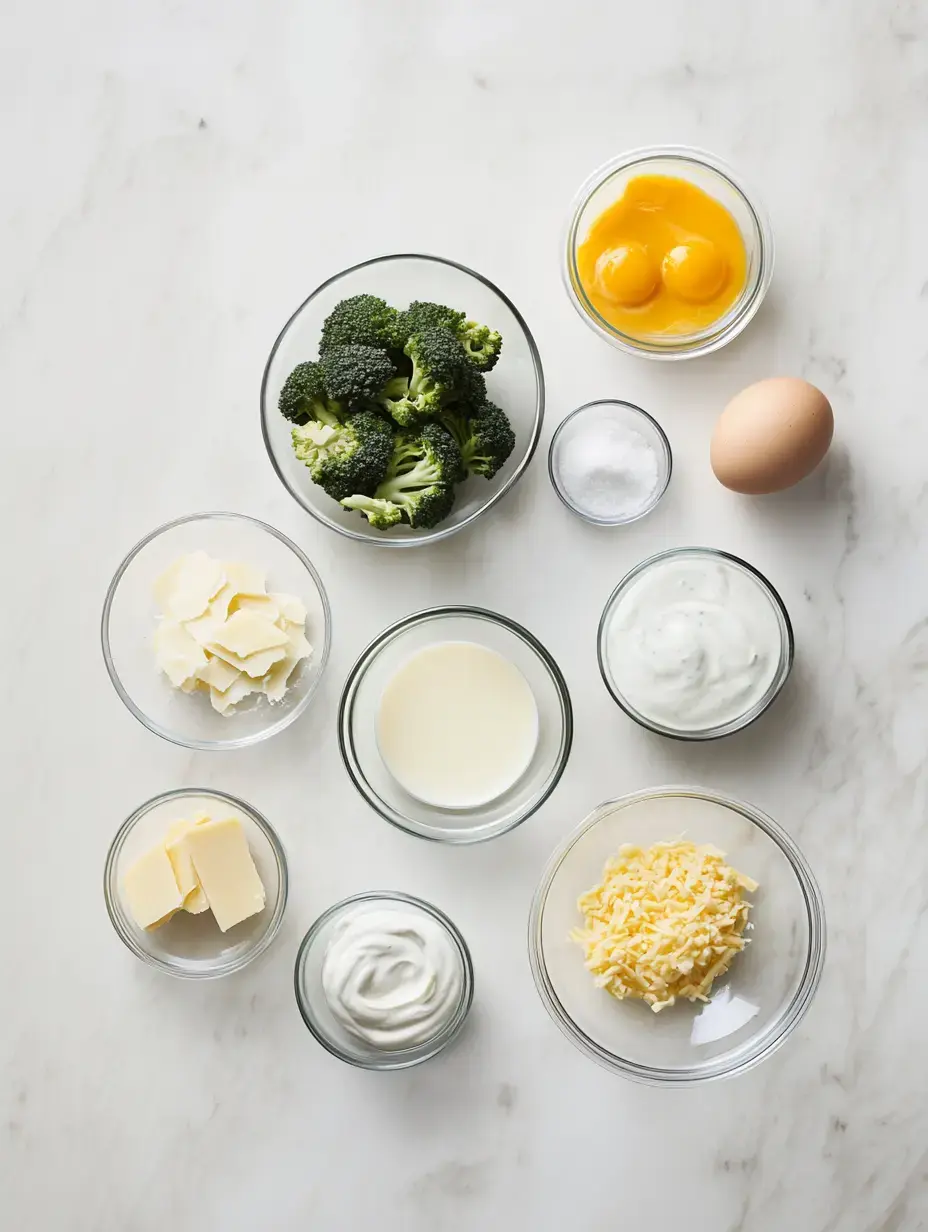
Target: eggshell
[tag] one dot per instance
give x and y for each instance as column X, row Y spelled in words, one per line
column 771, row 435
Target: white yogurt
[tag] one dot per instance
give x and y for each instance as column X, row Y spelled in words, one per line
column 458, row 725
column 694, row 642
column 392, row 976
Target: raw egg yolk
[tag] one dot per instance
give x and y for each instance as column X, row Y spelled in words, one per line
column 695, row 271
column 664, row 259
column 627, row 275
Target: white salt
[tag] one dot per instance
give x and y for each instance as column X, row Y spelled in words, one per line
column 608, row 469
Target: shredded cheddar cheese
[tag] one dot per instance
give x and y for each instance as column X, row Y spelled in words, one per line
column 664, row 922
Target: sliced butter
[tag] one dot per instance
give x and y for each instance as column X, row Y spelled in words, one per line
column 151, row 889
column 175, row 844
column 226, row 870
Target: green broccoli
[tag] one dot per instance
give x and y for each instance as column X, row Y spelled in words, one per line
column 304, row 396
column 418, row 487
column 345, row 458
column 481, row 344
column 354, row 373
column 438, row 362
column 362, row 320
column 484, row 437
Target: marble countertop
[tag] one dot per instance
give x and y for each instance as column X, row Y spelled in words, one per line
column 180, row 175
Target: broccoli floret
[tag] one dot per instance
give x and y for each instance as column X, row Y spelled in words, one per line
column 362, row 320
column 422, row 508
column 304, row 396
column 438, row 362
column 354, row 373
column 346, row 458
column 481, row 344
column 418, row 483
column 485, row 437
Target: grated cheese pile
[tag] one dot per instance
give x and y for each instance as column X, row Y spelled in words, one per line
column 664, row 922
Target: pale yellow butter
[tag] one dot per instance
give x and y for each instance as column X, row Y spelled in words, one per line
column 226, row 870
column 195, row 900
column 151, row 889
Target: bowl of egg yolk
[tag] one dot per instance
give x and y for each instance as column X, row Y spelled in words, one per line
column 667, row 254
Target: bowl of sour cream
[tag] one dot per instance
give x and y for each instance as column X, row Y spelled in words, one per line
column 695, row 644
column 384, row 980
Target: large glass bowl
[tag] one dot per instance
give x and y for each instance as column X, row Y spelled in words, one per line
column 192, row 947
column 752, row 1009
column 130, row 618
column 516, row 384
column 357, row 720
column 607, row 184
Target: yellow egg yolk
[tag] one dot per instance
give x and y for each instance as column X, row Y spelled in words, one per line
column 666, row 258
column 694, row 271
column 626, row 275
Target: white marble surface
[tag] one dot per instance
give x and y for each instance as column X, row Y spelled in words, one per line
column 178, row 176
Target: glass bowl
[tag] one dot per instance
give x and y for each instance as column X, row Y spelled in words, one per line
column 784, row 665
column 310, row 997
column 609, row 411
column 713, row 176
column 129, row 621
column 516, row 383
column 751, row 1010
column 192, row 947
column 361, row 698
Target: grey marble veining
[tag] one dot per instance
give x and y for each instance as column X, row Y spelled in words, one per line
column 179, row 176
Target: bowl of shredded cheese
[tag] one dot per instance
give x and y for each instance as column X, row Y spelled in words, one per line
column 677, row 935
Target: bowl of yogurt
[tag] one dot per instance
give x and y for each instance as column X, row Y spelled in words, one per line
column 384, row 980
column 695, row 644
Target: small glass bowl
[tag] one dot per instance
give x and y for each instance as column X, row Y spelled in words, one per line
column 192, row 947
column 516, row 383
column 129, row 622
column 752, row 1009
column 360, row 703
column 610, row 411
column 310, row 997
column 787, row 648
column 607, row 184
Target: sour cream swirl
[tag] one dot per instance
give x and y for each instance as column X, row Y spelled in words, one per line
column 392, row 976
column 694, row 642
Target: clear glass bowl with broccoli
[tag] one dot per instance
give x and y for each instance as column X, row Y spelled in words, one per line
column 379, row 417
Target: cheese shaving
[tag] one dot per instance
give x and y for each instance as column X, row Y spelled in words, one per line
column 664, row 923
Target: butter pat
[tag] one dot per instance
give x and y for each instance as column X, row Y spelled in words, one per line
column 151, row 889
column 226, row 871
column 195, row 900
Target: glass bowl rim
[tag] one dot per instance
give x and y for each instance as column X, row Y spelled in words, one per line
column 401, row 1058
column 440, row 532
column 367, row 657
column 789, row 1018
column 110, row 889
column 665, row 451
column 731, row 324
column 234, row 742
column 785, row 667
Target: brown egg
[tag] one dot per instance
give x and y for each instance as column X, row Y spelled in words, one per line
column 771, row 435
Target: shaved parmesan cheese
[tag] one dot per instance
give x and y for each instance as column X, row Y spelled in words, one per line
column 664, row 922
column 245, row 633
column 222, row 634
